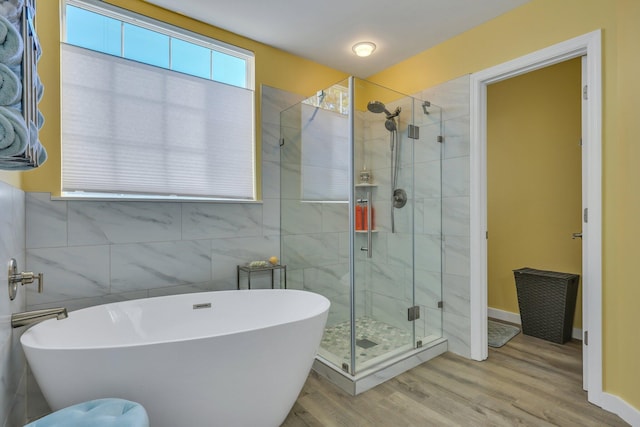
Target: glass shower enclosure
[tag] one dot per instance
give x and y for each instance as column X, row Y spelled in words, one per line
column 360, row 183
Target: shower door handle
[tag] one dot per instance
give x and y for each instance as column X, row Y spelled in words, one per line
column 369, row 247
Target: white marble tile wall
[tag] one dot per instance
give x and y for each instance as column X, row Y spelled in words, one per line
column 12, row 363
column 453, row 97
column 116, row 248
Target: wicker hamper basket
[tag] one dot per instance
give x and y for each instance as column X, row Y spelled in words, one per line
column 547, row 301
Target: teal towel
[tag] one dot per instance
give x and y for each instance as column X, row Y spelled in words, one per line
column 34, row 156
column 12, row 10
column 39, row 153
column 10, row 43
column 97, row 413
column 40, row 119
column 10, row 86
column 13, row 132
column 39, row 87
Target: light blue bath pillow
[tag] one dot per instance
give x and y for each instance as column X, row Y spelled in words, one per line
column 97, row 413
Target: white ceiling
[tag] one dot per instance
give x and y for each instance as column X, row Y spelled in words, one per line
column 325, row 30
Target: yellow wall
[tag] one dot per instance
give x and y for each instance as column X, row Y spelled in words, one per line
column 12, row 178
column 534, row 184
column 534, row 26
column 273, row 68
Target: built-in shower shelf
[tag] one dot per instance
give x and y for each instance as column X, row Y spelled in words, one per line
column 365, row 231
column 366, row 185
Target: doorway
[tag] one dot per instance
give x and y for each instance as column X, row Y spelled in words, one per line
column 534, row 182
column 589, row 45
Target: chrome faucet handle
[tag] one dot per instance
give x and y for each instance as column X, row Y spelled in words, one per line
column 24, row 278
column 29, row 277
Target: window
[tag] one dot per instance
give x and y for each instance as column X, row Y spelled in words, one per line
column 152, row 110
column 325, row 145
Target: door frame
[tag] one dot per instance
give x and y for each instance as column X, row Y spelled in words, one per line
column 590, row 45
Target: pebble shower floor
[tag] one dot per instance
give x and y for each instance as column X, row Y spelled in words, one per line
column 373, row 339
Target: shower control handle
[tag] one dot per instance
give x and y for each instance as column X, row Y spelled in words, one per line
column 22, row 278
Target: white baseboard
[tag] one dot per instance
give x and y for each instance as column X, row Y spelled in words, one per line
column 505, row 316
column 618, row 406
column 510, row 317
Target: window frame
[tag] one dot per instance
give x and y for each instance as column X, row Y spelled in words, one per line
column 165, row 28
column 148, row 23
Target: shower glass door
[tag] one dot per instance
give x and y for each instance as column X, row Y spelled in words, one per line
column 315, row 165
column 383, row 254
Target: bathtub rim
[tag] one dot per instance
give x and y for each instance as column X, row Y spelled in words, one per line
column 28, row 342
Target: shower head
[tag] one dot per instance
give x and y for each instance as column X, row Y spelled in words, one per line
column 390, row 124
column 377, row 107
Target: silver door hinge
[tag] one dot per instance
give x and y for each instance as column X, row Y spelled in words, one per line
column 413, row 132
column 586, row 337
column 585, row 93
column 586, row 214
column 440, row 138
column 440, row 304
column 413, row 313
column 486, row 235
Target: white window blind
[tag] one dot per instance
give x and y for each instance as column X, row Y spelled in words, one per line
column 132, row 128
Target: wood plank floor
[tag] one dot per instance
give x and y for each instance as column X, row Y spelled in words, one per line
column 528, row 382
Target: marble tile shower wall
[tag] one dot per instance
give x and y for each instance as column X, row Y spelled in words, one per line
column 12, row 363
column 453, row 97
column 97, row 252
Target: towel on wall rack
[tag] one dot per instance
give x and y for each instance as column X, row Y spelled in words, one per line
column 38, row 153
column 13, row 132
column 39, row 87
column 10, row 86
column 11, row 9
column 20, row 147
column 34, row 155
column 10, row 43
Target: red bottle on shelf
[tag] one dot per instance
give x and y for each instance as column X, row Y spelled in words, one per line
column 365, row 221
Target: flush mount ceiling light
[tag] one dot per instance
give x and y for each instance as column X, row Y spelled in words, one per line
column 363, row 48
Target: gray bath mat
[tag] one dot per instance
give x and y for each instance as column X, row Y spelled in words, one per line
column 500, row 333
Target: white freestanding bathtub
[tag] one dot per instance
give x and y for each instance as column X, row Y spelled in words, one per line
column 241, row 361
